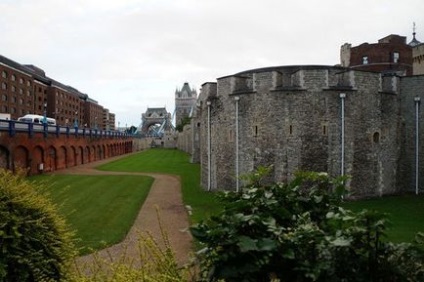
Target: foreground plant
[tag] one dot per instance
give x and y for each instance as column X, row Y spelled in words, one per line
column 299, row 232
column 155, row 262
column 35, row 243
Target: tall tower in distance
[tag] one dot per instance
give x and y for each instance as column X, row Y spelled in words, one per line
column 185, row 101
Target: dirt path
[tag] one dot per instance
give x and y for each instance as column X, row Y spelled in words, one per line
column 165, row 194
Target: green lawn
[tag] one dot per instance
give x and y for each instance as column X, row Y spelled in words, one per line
column 101, row 209
column 171, row 161
column 406, row 214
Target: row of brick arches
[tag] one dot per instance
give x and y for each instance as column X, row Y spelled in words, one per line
column 44, row 157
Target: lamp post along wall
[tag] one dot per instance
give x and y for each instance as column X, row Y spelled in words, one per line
column 417, row 101
column 208, row 103
column 342, row 142
column 237, row 144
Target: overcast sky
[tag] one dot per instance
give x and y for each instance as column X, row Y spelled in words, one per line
column 132, row 54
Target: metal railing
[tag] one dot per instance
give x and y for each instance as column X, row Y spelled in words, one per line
column 12, row 127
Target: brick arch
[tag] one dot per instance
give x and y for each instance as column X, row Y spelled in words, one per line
column 81, row 155
column 51, row 159
column 62, row 158
column 73, row 156
column 105, row 155
column 99, row 155
column 93, row 153
column 37, row 159
column 21, row 158
column 87, row 154
column 112, row 149
column 4, row 158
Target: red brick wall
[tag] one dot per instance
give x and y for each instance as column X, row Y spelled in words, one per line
column 380, row 57
column 57, row 152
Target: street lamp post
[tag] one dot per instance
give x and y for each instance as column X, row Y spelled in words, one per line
column 45, row 113
column 237, row 98
column 76, row 120
column 208, row 103
column 342, row 145
column 417, row 112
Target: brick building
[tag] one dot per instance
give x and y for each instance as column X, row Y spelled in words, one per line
column 390, row 55
column 25, row 89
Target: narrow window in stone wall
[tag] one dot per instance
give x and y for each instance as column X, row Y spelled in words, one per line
column 255, row 131
column 376, row 137
column 230, row 135
column 291, row 129
column 324, row 130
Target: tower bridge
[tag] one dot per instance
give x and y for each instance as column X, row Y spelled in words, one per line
column 156, row 121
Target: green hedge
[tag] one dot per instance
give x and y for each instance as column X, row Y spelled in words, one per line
column 35, row 244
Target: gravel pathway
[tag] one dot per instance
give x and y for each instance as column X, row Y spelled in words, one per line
column 165, row 195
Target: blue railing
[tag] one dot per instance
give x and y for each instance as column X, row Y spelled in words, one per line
column 12, row 127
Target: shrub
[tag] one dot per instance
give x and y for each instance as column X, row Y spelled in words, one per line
column 35, row 244
column 299, row 232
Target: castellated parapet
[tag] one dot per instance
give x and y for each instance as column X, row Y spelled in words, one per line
column 290, row 117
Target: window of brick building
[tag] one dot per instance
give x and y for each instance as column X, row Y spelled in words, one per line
column 396, row 57
column 4, row 86
column 13, row 88
column 4, row 74
column 4, row 97
column 4, row 109
column 13, row 77
column 21, row 81
column 365, row 60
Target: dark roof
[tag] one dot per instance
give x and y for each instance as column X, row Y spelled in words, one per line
column 414, row 42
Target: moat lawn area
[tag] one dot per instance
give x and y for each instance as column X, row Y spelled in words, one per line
column 405, row 212
column 100, row 209
column 176, row 162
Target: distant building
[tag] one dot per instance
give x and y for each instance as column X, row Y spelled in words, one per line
column 25, row 89
column 185, row 101
column 417, row 55
column 390, row 55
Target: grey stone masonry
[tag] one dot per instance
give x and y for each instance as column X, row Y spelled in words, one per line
column 290, row 118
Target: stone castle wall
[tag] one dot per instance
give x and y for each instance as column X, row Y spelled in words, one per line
column 290, row 117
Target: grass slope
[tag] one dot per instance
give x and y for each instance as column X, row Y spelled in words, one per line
column 406, row 213
column 101, row 209
column 175, row 162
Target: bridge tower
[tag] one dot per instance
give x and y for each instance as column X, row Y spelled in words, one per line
column 155, row 121
column 185, row 101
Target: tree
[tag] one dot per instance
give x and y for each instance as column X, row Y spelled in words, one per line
column 35, row 244
column 183, row 122
column 299, row 232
